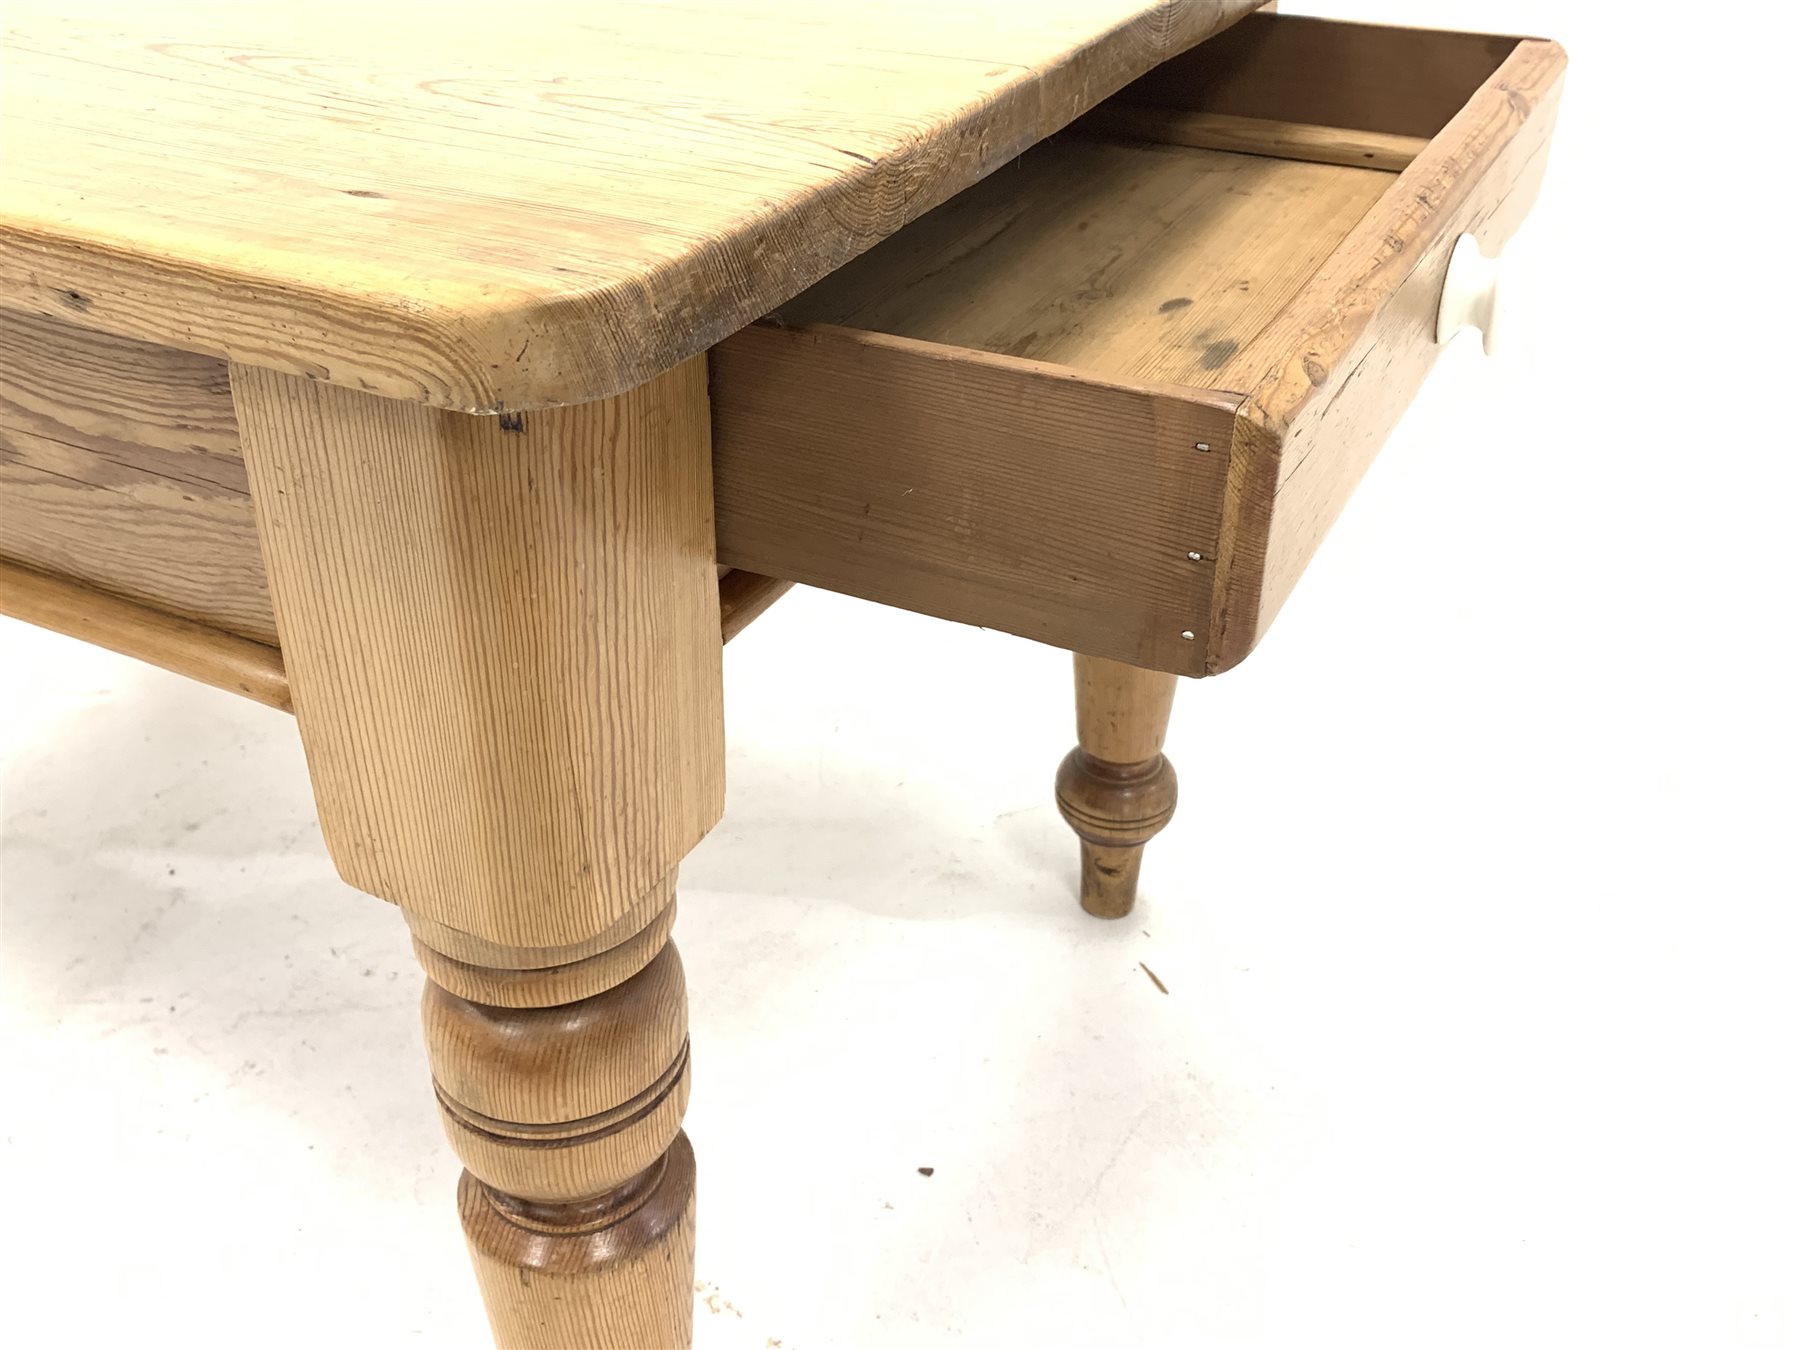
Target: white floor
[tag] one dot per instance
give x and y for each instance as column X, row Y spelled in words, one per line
column 1477, row 923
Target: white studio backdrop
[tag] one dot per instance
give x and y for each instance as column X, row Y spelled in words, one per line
column 1477, row 918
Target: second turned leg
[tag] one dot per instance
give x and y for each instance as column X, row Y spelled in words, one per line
column 562, row 1077
column 1115, row 788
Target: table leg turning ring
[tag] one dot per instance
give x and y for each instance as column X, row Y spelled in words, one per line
column 562, row 1088
column 1116, row 788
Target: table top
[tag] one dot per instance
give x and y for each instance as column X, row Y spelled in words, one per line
column 509, row 205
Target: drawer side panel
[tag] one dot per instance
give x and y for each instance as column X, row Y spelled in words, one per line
column 980, row 488
column 119, row 468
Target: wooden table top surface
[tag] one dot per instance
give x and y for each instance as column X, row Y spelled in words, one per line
column 492, row 206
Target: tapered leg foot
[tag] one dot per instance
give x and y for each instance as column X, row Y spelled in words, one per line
column 617, row 1270
column 1116, row 788
column 1109, row 879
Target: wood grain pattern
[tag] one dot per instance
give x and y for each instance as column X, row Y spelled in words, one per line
column 1255, row 136
column 226, row 661
column 564, row 1098
column 568, row 1067
column 1330, row 378
column 503, row 640
column 974, row 487
column 744, row 597
column 1308, row 313
column 615, row 1274
column 1370, row 77
column 119, row 467
column 220, row 659
column 1116, row 788
column 553, row 983
column 1064, row 503
column 467, row 950
column 1155, row 263
column 488, row 215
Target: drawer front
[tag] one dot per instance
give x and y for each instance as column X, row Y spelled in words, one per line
column 1329, row 379
column 995, row 416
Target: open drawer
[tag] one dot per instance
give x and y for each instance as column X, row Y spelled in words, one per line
column 1113, row 396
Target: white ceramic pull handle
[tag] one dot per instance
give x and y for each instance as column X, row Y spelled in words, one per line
column 1471, row 294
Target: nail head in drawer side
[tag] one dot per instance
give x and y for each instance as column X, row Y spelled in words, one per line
column 994, row 416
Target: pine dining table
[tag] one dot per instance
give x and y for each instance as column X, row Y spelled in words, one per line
column 460, row 379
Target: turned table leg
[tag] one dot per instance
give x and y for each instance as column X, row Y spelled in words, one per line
column 502, row 640
column 1116, row 788
column 562, row 1079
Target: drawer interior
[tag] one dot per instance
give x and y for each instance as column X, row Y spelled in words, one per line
column 1120, row 257
column 1113, row 396
column 1154, row 239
